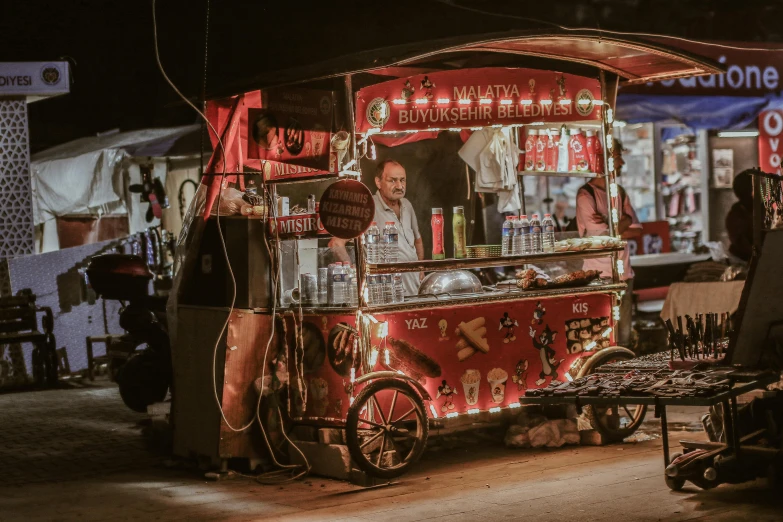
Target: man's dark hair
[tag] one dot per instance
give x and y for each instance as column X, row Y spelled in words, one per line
column 382, row 166
column 261, row 127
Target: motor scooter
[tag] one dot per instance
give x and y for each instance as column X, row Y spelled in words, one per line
column 144, row 378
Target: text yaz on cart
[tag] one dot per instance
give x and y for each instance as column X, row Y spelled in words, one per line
column 414, row 324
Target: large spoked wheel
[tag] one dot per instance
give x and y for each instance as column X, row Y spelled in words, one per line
column 387, row 428
column 618, row 421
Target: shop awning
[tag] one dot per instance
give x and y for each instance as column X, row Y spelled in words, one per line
column 751, row 84
column 696, row 112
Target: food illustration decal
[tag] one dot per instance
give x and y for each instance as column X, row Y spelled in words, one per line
column 412, row 361
column 342, row 348
column 472, row 337
column 497, row 378
column 586, row 334
column 470, row 383
column 462, row 362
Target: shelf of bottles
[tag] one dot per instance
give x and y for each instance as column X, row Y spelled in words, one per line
column 429, row 265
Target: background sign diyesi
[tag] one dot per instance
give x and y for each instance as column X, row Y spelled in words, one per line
column 34, row 79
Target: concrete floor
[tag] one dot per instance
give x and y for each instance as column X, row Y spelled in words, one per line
column 79, row 454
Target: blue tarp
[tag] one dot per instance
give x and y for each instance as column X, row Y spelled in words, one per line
column 697, row 112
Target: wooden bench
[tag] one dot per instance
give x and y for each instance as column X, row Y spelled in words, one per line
column 19, row 324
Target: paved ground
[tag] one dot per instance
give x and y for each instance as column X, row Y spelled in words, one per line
column 70, row 434
column 80, row 455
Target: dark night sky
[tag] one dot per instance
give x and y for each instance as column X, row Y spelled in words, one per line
column 116, row 83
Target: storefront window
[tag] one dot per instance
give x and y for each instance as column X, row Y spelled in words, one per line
column 638, row 174
column 681, row 188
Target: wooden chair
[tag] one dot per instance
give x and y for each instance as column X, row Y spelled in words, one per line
column 19, row 324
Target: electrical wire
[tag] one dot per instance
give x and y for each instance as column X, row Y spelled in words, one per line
column 220, row 231
column 275, row 282
column 233, row 283
column 451, row 4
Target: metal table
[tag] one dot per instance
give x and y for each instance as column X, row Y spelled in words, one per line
column 742, row 383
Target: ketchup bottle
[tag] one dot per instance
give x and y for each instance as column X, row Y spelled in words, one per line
column 437, row 234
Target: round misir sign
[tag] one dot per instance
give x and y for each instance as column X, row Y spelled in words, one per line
column 347, row 209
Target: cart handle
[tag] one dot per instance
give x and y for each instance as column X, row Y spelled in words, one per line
column 393, row 375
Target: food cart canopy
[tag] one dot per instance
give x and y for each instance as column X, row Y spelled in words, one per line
column 634, row 60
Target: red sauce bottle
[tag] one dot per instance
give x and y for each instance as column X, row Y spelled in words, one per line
column 437, row 234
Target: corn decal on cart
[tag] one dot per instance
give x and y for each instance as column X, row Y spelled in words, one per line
column 331, row 355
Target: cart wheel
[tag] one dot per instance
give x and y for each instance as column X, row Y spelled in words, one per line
column 618, row 421
column 387, row 428
column 144, row 379
column 674, row 483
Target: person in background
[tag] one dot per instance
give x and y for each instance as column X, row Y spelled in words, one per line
column 592, row 216
column 391, row 205
column 739, row 220
column 563, row 223
column 265, row 132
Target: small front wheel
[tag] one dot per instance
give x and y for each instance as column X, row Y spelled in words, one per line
column 674, row 483
column 387, row 428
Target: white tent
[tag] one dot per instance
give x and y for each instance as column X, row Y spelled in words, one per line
column 90, row 176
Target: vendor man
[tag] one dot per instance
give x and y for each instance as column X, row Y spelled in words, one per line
column 592, row 217
column 391, row 205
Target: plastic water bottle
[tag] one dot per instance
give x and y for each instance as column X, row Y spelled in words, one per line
column 339, row 283
column 370, row 285
column 398, row 290
column 373, row 241
column 330, row 284
column 535, row 235
column 353, row 287
column 390, row 242
column 516, row 237
column 372, row 290
column 508, row 236
column 388, row 289
column 548, row 235
column 522, row 236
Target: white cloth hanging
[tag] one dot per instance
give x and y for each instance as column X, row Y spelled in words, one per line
column 494, row 157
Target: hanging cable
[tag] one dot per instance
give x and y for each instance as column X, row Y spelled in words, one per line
column 220, row 231
column 233, row 281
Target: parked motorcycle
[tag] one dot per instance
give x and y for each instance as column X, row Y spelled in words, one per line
column 145, row 377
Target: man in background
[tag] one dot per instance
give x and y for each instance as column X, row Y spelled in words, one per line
column 592, row 216
column 391, row 205
column 739, row 220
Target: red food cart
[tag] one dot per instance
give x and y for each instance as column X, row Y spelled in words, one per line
column 255, row 314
